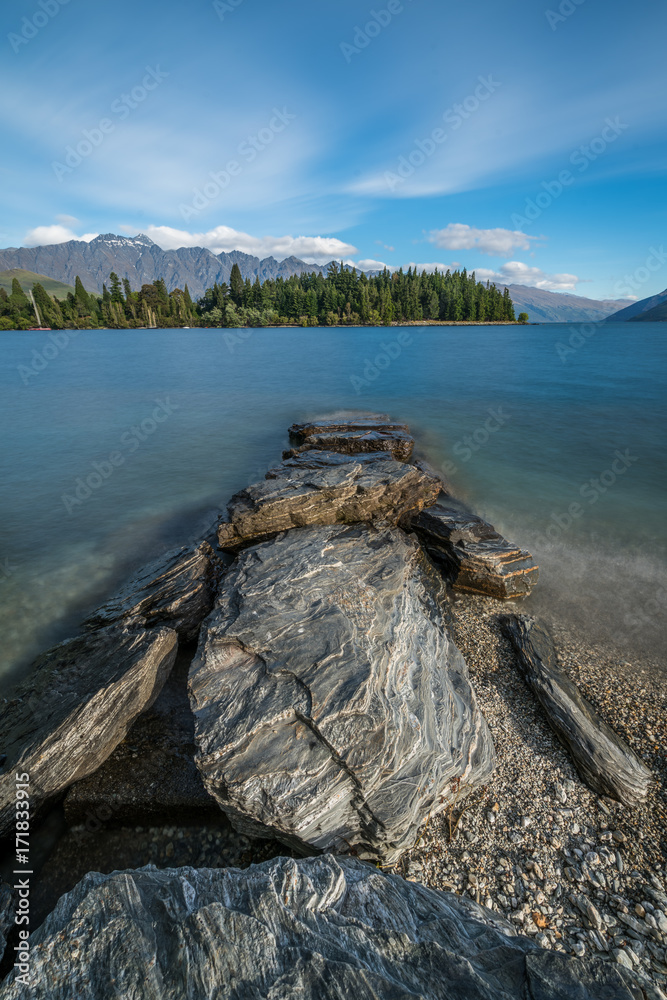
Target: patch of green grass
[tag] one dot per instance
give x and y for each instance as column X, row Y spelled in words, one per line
column 28, row 278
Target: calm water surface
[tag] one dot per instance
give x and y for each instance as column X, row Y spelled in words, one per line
column 121, row 444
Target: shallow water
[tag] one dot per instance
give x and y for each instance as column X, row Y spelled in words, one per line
column 522, row 429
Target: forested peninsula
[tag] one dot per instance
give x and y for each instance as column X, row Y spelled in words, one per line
column 344, row 297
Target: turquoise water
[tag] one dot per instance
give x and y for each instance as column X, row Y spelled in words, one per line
column 157, row 429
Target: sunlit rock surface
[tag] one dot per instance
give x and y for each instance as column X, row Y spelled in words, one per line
column 332, row 710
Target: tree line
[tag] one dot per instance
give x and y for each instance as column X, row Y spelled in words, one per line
column 342, row 297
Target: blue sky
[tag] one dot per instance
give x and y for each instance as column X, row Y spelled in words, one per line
column 524, row 140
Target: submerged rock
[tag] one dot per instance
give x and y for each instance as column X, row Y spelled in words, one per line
column 370, row 432
column 604, row 760
column 332, row 710
column 78, row 703
column 475, row 556
column 317, row 929
column 176, row 590
column 339, row 494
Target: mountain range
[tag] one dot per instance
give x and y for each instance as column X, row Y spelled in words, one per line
column 142, row 261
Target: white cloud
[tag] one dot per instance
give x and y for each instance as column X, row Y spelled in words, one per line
column 372, row 265
column 223, row 238
column 434, row 266
column 515, row 272
column 48, row 235
column 495, row 242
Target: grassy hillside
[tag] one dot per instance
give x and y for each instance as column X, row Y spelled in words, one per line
column 28, row 278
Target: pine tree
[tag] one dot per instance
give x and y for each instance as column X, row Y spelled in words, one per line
column 236, row 285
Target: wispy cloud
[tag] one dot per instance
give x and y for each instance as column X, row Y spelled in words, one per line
column 495, row 242
column 515, row 272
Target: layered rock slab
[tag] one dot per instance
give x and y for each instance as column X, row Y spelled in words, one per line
column 79, row 702
column 476, row 558
column 177, row 590
column 317, row 929
column 370, row 432
column 603, row 759
column 353, row 492
column 332, row 710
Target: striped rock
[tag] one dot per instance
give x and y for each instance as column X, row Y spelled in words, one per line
column 370, row 432
column 474, row 556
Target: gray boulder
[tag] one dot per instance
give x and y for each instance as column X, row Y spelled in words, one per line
column 315, row 929
column 370, row 432
column 354, row 492
column 332, row 710
column 604, row 760
column 79, row 701
column 474, row 555
column 176, row 590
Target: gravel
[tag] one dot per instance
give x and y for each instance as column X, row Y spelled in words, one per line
column 572, row 869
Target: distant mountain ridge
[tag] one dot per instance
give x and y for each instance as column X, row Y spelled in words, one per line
column 142, row 261
column 651, row 309
column 561, row 307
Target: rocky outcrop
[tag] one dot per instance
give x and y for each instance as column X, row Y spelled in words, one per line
column 370, row 432
column 177, row 590
column 80, row 700
column 332, row 710
column 604, row 761
column 317, row 929
column 345, row 494
column 313, row 458
column 474, row 555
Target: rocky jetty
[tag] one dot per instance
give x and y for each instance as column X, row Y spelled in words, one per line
column 473, row 554
column 318, row 929
column 605, row 761
column 79, row 702
column 353, row 492
column 329, row 706
column 371, row 432
column 332, row 709
column 177, row 590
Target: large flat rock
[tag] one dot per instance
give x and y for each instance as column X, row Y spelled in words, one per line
column 315, row 929
column 332, row 710
column 352, row 435
column 176, row 590
column 353, row 492
column 475, row 556
column 605, row 761
column 313, row 458
column 78, row 703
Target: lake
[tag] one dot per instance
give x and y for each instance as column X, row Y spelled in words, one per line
column 119, row 444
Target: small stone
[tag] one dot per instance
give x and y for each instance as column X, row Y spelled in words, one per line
column 593, row 916
column 525, row 822
column 169, row 849
column 618, row 836
column 592, row 858
column 621, row 957
column 639, row 910
column 579, row 948
column 619, row 863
